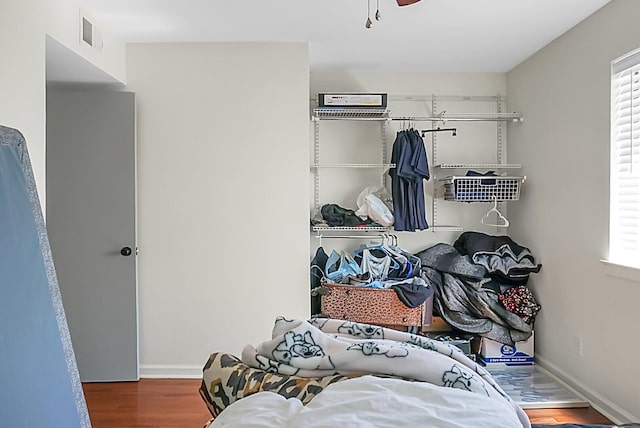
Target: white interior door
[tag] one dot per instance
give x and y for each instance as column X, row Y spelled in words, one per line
column 91, row 222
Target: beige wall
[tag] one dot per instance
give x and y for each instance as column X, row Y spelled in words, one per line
column 564, row 92
column 22, row 79
column 23, row 26
column 223, row 224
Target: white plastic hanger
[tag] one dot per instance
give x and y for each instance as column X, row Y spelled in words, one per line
column 485, row 219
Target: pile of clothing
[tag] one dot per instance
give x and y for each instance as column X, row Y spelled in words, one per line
column 481, row 285
column 333, row 215
column 380, row 266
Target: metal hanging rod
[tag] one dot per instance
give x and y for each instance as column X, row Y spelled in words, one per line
column 452, row 130
column 463, row 117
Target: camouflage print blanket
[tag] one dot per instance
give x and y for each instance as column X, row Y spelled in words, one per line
column 325, row 347
column 226, row 379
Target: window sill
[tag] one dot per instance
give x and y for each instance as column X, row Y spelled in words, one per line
column 630, row 273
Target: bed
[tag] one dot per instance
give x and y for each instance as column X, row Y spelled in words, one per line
column 330, row 373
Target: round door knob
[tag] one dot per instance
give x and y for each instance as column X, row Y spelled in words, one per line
column 126, row 251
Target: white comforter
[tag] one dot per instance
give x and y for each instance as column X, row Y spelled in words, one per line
column 322, row 347
column 372, row 402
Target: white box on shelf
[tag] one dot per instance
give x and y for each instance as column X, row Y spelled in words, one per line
column 497, row 354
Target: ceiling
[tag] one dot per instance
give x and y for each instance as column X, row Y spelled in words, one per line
column 428, row 36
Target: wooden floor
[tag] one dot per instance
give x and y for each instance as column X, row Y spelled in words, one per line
column 162, row 403
column 175, row 403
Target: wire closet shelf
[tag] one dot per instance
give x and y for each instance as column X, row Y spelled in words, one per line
column 351, row 113
column 338, row 113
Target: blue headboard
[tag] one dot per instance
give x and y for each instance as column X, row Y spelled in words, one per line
column 39, row 381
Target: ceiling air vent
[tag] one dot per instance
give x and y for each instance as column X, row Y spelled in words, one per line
column 87, row 31
column 89, row 34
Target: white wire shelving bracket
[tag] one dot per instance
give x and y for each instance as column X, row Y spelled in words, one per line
column 384, row 115
column 376, row 114
column 440, row 118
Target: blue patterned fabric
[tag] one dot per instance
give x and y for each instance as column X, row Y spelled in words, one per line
column 35, row 344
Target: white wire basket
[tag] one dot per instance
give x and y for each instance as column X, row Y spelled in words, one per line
column 482, row 188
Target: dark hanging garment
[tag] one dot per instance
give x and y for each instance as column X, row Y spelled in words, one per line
column 398, row 186
column 420, row 167
column 318, row 264
column 409, row 156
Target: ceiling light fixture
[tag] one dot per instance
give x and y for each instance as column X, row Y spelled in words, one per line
column 369, row 23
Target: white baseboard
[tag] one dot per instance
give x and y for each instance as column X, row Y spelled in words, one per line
column 177, row 371
column 603, row 405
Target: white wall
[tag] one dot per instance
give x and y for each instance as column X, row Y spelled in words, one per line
column 357, row 142
column 22, row 80
column 23, row 26
column 223, row 224
column 564, row 93
column 63, row 24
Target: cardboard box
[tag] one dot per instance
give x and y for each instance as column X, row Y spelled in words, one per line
column 496, row 354
column 436, row 324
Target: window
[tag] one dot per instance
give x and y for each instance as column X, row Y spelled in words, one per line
column 624, row 235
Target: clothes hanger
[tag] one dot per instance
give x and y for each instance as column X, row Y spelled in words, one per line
column 485, row 219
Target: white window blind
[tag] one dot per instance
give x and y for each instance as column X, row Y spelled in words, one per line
column 624, row 239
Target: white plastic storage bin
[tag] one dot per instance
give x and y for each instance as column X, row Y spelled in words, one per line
column 482, row 188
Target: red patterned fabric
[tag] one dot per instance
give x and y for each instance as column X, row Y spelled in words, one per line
column 520, row 301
